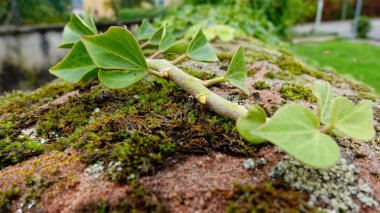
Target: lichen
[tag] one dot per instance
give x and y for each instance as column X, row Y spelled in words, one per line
column 335, row 187
column 297, row 92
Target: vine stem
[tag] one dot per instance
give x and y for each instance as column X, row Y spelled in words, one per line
column 144, row 44
column 213, row 81
column 195, row 87
column 327, row 128
column 157, row 53
column 179, row 59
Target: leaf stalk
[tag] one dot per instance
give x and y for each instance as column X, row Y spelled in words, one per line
column 213, row 81
column 179, row 59
column 144, row 44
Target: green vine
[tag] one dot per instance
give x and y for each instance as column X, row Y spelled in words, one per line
column 116, row 59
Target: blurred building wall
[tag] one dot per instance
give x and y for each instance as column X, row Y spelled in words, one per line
column 98, row 8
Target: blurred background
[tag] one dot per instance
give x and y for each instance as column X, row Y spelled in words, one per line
column 337, row 34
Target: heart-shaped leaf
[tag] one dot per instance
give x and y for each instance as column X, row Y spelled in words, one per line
column 145, row 31
column 157, row 36
column 167, row 40
column 236, row 72
column 179, row 47
column 75, row 28
column 119, row 51
column 115, row 49
column 76, row 66
column 255, row 118
column 120, row 79
column 322, row 90
column 294, row 129
column 354, row 121
column 200, row 50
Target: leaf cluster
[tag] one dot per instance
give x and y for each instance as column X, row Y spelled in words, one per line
column 305, row 136
column 116, row 58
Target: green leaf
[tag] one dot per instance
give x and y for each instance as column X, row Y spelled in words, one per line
column 145, row 31
column 90, row 23
column 76, row 66
column 255, row 118
column 354, row 121
column 294, row 129
column 120, row 79
column 157, row 36
column 200, row 50
column 179, row 47
column 236, row 72
column 115, row 49
column 225, row 32
column 167, row 40
column 119, row 51
column 76, row 28
column 322, row 90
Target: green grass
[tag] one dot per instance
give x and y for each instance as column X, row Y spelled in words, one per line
column 357, row 58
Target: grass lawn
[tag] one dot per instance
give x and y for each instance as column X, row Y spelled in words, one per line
column 357, row 58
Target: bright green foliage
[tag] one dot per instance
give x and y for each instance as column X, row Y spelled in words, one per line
column 76, row 66
column 200, row 50
column 323, row 92
column 294, row 129
column 354, row 121
column 145, row 31
column 118, row 50
column 224, row 32
column 120, row 79
column 167, row 41
column 236, row 72
column 157, row 36
column 75, row 28
column 255, row 118
column 179, row 47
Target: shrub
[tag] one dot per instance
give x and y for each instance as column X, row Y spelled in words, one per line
column 364, row 27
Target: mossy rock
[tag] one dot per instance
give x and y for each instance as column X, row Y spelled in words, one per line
column 153, row 148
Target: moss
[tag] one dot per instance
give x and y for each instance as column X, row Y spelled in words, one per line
column 198, row 74
column 270, row 75
column 18, row 102
column 297, row 92
column 140, row 153
column 7, row 197
column 252, row 57
column 267, row 198
column 137, row 199
column 260, row 85
column 14, row 151
column 294, row 66
column 63, row 120
column 130, row 129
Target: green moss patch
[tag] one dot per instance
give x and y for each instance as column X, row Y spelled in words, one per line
column 260, row 85
column 6, row 198
column 297, row 92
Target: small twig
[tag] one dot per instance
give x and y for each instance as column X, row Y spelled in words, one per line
column 157, row 53
column 179, row 59
column 213, row 81
column 144, row 44
column 162, row 74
